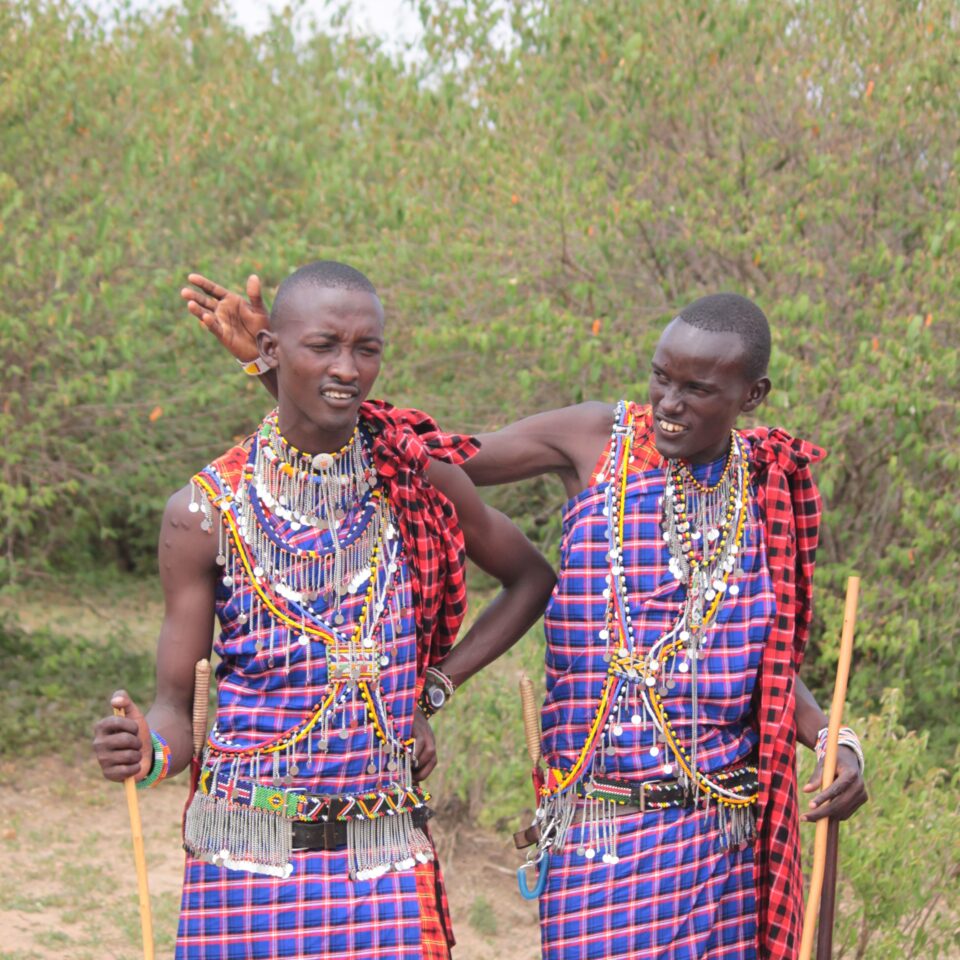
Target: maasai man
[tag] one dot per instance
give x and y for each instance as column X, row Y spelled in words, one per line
column 330, row 545
column 674, row 638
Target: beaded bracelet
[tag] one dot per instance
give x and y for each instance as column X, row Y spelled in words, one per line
column 161, row 762
column 847, row 738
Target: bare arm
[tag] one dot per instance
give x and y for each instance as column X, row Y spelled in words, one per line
column 187, row 557
column 499, row 548
column 848, row 792
column 566, row 442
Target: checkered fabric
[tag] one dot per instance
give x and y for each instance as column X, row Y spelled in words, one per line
column 790, row 504
column 404, row 442
column 318, row 911
column 575, row 616
column 676, row 894
column 318, row 914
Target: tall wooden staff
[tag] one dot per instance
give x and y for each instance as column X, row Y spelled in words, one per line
column 829, row 773
column 139, row 859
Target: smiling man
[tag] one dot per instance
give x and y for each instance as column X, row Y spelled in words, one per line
column 669, row 820
column 669, row 823
column 330, row 545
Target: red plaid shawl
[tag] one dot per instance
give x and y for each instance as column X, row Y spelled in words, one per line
column 403, row 445
column 404, row 442
column 790, row 505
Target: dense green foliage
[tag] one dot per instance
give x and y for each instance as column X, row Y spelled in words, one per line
column 532, row 209
column 54, row 687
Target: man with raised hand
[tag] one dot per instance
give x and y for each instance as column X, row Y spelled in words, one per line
column 330, row 545
column 674, row 638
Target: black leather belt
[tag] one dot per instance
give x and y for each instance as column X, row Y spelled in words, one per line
column 332, row 835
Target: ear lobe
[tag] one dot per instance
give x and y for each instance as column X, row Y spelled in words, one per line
column 267, row 345
column 758, row 393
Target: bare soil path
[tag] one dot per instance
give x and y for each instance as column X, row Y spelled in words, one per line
column 70, row 890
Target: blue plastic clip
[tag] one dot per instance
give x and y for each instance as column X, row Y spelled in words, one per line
column 541, row 884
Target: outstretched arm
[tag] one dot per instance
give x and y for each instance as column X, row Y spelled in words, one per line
column 566, row 442
column 187, row 557
column 235, row 322
column 848, row 792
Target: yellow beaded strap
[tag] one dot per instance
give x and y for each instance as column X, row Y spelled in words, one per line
column 680, row 755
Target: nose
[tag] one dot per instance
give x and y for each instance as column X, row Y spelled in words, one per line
column 344, row 367
column 671, row 403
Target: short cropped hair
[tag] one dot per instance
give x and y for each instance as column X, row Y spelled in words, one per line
column 321, row 274
column 731, row 313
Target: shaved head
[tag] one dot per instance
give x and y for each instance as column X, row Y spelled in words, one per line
column 319, row 275
column 731, row 313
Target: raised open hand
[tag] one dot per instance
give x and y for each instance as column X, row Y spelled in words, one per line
column 235, row 322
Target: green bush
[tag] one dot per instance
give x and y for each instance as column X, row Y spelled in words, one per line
column 532, row 210
column 52, row 687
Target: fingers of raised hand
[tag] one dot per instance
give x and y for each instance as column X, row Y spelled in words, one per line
column 208, row 286
column 201, row 299
column 253, row 291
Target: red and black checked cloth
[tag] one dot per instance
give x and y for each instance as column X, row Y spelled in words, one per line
column 790, row 505
column 404, row 442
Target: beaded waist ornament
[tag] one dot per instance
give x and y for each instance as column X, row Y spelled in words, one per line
column 703, row 528
column 242, row 815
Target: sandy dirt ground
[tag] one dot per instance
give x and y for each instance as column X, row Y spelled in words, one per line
column 70, row 889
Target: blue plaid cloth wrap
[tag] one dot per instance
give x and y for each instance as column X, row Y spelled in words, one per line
column 677, row 892
column 318, row 911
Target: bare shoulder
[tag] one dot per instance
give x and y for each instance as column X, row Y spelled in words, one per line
column 184, row 544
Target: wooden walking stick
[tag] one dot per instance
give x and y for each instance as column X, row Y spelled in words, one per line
column 830, row 770
column 139, row 859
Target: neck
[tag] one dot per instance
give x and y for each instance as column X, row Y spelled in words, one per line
column 310, row 437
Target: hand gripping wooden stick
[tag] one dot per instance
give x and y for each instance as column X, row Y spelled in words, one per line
column 139, row 859
column 830, row 765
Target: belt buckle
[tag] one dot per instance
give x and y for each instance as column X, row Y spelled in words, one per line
column 643, row 796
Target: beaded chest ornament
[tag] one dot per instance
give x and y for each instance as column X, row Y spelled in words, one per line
column 703, row 528
column 242, row 814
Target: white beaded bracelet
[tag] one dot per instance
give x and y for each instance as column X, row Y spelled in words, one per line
column 847, row 738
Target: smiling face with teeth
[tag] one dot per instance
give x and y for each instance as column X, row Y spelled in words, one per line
column 326, row 346
column 698, row 388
